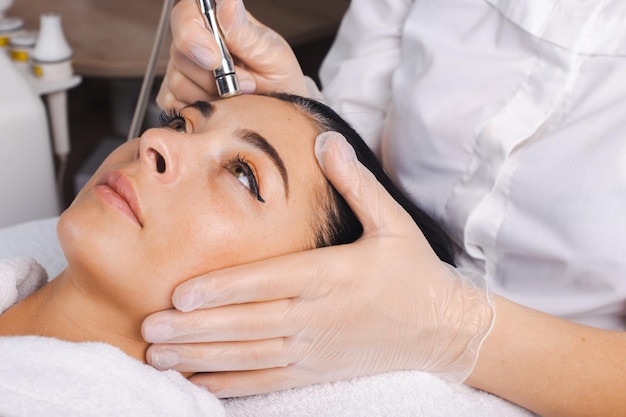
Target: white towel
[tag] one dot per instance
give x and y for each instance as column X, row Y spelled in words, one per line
column 48, row 377
column 19, row 276
column 394, row 394
column 42, row 376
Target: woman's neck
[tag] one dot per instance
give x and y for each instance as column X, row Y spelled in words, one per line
column 62, row 310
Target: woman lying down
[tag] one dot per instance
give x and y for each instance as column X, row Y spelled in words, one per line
column 220, row 184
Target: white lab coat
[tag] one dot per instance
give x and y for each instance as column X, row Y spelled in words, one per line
column 506, row 120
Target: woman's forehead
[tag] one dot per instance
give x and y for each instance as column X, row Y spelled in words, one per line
column 251, row 104
column 282, row 123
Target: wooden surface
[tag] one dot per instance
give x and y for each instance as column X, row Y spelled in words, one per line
column 113, row 38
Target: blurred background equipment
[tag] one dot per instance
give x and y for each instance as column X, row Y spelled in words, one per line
column 34, row 65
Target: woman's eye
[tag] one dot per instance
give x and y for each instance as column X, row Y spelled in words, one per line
column 242, row 171
column 173, row 120
column 178, row 125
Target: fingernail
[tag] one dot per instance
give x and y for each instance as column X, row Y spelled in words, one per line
column 185, row 301
column 203, row 57
column 163, row 359
column 157, row 332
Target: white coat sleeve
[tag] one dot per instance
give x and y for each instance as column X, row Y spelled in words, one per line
column 356, row 74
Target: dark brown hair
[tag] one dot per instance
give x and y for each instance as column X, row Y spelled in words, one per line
column 342, row 225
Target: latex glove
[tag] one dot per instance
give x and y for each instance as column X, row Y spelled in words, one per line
column 384, row 302
column 265, row 61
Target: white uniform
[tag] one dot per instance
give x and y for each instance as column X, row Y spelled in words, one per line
column 506, row 120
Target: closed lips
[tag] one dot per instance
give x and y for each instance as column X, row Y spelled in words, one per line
column 121, row 186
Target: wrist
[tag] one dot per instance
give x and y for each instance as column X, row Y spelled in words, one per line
column 469, row 316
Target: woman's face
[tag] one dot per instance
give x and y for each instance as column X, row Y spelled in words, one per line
column 222, row 184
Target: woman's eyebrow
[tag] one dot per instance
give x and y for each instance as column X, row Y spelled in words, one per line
column 204, row 107
column 255, row 139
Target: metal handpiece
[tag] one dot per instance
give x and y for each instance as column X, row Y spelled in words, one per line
column 225, row 78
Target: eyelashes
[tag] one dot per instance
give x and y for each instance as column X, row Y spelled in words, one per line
column 240, row 168
column 173, row 119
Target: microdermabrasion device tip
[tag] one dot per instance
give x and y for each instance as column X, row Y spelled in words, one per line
column 225, row 77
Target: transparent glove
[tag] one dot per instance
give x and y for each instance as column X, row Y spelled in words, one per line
column 265, row 61
column 382, row 303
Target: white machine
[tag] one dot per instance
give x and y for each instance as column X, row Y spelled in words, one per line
column 27, row 177
column 28, row 182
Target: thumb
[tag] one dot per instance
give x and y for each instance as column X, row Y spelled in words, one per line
column 367, row 197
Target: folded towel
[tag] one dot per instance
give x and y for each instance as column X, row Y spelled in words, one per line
column 50, row 377
column 19, row 276
column 394, row 394
column 42, row 376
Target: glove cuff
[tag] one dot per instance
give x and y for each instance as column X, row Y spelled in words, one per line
column 474, row 317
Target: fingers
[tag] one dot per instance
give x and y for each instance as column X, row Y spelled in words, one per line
column 191, row 36
column 194, row 54
column 271, row 279
column 369, row 200
column 179, row 88
column 267, row 55
column 234, row 322
column 220, row 356
column 193, row 39
column 265, row 61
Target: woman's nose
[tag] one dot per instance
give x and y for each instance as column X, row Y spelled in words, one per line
column 159, row 154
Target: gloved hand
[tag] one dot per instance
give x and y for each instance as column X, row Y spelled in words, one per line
column 382, row 303
column 265, row 61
